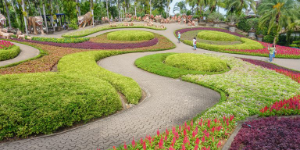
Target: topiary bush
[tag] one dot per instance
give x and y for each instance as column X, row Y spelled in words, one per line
column 217, row 36
column 10, row 53
column 198, row 62
column 130, row 35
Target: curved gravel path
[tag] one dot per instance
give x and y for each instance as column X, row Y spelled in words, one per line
column 26, row 53
column 170, row 102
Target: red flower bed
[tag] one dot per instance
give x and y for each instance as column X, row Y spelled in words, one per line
column 206, row 28
column 283, row 107
column 295, row 75
column 92, row 45
column 201, row 135
column 268, row 134
column 5, row 44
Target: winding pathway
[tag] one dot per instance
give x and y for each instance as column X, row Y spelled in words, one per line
column 169, row 102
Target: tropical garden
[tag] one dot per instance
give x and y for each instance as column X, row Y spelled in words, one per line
column 63, row 86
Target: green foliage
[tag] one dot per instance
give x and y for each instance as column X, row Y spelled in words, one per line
column 86, row 32
column 268, row 38
column 247, row 44
column 130, row 35
column 155, row 64
column 242, row 25
column 73, row 24
column 43, row 102
column 60, row 40
column 253, row 22
column 217, row 36
column 198, row 62
column 10, row 53
column 70, row 9
column 215, row 17
column 83, row 64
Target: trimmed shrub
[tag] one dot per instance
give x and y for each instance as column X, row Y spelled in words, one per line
column 130, row 35
column 60, row 40
column 247, row 45
column 10, row 53
column 217, row 36
column 198, row 62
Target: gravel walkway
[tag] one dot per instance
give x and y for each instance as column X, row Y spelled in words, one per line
column 169, row 102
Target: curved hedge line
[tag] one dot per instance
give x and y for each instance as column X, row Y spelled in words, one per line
column 197, row 62
column 87, row 32
column 130, row 35
column 217, row 36
column 84, row 64
column 155, row 64
column 10, row 53
column 247, row 45
column 60, row 40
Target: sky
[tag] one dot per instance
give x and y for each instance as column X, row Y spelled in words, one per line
column 222, row 11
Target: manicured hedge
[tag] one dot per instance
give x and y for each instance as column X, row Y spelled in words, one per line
column 60, row 40
column 10, row 53
column 247, row 45
column 43, row 102
column 217, row 36
column 130, row 35
column 84, row 64
column 197, row 62
column 86, row 32
column 155, row 64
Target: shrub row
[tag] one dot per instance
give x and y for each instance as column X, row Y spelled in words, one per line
column 86, row 32
column 197, row 62
column 217, row 36
column 60, row 40
column 130, row 35
column 10, row 53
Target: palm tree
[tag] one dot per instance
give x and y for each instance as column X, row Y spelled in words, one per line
column 7, row 13
column 44, row 12
column 92, row 10
column 236, row 6
column 179, row 6
column 16, row 14
column 24, row 12
column 277, row 14
column 107, row 9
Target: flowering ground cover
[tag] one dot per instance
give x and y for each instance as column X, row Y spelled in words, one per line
column 217, row 36
column 268, row 133
column 8, row 50
column 103, row 39
column 284, row 107
column 295, row 75
column 88, row 91
column 86, row 32
column 249, row 47
column 204, row 134
column 60, row 40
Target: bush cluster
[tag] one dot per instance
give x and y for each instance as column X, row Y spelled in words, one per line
column 10, row 53
column 217, row 36
column 130, row 35
column 198, row 62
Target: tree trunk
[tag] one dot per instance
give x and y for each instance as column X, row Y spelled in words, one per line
column 150, row 9
column 7, row 13
column 77, row 8
column 107, row 9
column 25, row 21
column 135, row 10
column 16, row 15
column 92, row 10
column 51, row 13
column 45, row 19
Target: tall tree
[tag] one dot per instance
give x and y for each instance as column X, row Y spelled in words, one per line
column 16, row 14
column 107, row 9
column 24, row 15
column 44, row 12
column 92, row 10
column 7, row 13
column 236, row 6
column 277, row 14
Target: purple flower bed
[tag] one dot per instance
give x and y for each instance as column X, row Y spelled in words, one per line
column 268, row 65
column 204, row 28
column 268, row 134
column 92, row 45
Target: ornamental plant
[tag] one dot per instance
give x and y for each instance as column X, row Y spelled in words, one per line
column 60, row 40
column 5, row 45
column 203, row 134
column 130, row 35
column 217, row 36
column 284, row 107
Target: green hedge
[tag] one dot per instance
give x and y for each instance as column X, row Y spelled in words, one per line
column 60, row 40
column 84, row 64
column 87, row 32
column 10, row 53
column 155, row 64
column 197, row 62
column 217, row 36
column 44, row 102
column 247, row 44
column 130, row 35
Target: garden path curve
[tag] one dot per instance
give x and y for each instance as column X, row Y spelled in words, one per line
column 26, row 53
column 170, row 102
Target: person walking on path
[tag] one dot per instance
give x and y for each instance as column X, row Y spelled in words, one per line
column 179, row 35
column 271, row 52
column 274, row 51
column 194, row 43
